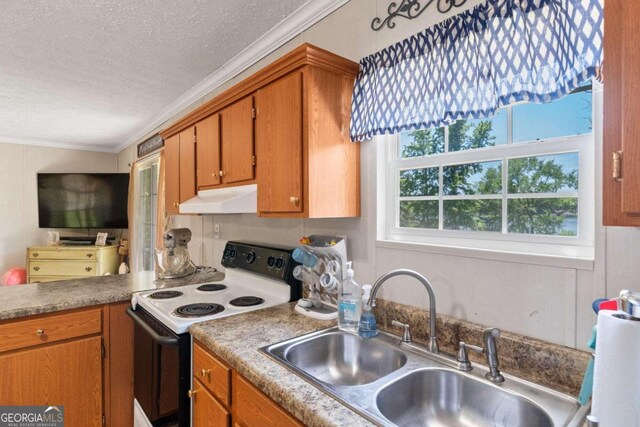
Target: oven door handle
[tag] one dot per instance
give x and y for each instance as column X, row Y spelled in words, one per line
column 163, row 340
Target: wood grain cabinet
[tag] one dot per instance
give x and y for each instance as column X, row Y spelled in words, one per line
column 49, row 263
column 70, row 359
column 224, row 146
column 222, row 397
column 180, row 169
column 286, row 128
column 621, row 154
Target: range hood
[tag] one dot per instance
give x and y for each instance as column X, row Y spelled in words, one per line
column 230, row 200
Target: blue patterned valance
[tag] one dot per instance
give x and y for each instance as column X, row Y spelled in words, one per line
column 497, row 53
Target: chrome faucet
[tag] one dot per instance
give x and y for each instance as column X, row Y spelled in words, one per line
column 433, row 340
column 491, row 350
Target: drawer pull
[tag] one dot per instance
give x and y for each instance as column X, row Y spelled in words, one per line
column 36, row 254
column 205, row 373
column 89, row 255
column 40, row 332
column 87, row 269
column 192, row 393
column 36, row 268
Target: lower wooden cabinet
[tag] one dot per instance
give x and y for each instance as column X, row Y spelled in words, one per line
column 207, row 411
column 79, row 359
column 67, row 374
column 248, row 406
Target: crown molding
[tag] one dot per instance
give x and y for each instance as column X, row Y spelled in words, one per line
column 303, row 18
column 62, row 145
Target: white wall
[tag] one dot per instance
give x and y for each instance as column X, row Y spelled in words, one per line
column 543, row 301
column 19, row 165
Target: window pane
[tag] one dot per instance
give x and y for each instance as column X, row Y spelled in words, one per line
column 421, row 142
column 419, row 182
column 568, row 116
column 558, row 217
column 478, row 133
column 419, row 213
column 473, row 178
column 543, row 174
column 473, row 215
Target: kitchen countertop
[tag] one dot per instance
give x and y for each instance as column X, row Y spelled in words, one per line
column 37, row 298
column 236, row 339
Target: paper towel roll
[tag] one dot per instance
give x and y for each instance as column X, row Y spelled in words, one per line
column 616, row 382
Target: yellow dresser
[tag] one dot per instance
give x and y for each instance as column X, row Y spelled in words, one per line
column 49, row 263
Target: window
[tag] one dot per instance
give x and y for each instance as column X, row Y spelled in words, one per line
column 146, row 212
column 524, row 175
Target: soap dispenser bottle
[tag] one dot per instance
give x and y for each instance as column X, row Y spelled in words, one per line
column 349, row 303
column 368, row 328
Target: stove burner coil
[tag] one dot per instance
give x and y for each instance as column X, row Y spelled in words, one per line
column 198, row 309
column 246, row 301
column 212, row 287
column 165, row 294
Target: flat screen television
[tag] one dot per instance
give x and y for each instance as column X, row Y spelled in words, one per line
column 83, row 200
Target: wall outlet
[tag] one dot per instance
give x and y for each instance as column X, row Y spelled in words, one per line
column 216, row 231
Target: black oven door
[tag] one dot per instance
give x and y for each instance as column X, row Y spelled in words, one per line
column 161, row 371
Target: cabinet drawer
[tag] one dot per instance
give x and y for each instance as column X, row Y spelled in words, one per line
column 47, row 329
column 47, row 253
column 62, row 268
column 207, row 412
column 253, row 408
column 212, row 373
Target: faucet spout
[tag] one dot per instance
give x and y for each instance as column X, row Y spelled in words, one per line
column 433, row 340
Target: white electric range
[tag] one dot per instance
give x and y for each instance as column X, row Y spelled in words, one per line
column 256, row 277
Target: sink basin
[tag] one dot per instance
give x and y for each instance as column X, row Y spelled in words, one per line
column 440, row 397
column 342, row 358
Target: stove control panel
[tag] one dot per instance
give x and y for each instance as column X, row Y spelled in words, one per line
column 272, row 261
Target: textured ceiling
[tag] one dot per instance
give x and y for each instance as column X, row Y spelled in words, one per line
column 93, row 73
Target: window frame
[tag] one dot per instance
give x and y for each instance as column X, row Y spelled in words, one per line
column 390, row 165
column 144, row 252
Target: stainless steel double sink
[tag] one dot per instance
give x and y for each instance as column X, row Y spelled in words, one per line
column 394, row 383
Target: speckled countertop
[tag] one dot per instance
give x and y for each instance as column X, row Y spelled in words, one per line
column 36, row 298
column 236, row 340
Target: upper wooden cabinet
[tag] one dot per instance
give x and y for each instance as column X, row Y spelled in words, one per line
column 180, row 169
column 286, row 128
column 621, row 155
column 208, row 151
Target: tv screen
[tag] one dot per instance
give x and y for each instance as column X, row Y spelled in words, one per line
column 83, row 200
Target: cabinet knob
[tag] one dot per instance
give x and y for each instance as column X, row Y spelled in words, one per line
column 294, row 200
column 175, row 205
column 87, row 269
column 89, row 255
column 36, row 254
column 222, row 173
column 214, row 175
column 36, row 268
column 40, row 332
column 192, row 393
column 205, row 373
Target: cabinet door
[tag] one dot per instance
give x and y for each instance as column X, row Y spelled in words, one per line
column 253, row 408
column 208, row 151
column 172, row 174
column 68, row 375
column 279, row 145
column 237, row 141
column 621, row 196
column 187, row 164
column 207, row 411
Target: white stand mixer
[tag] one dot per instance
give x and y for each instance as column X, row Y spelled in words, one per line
column 173, row 260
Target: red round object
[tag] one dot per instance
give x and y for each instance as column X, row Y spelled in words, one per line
column 14, row 276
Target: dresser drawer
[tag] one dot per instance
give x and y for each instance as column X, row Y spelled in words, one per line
column 50, row 328
column 50, row 253
column 66, row 268
column 212, row 373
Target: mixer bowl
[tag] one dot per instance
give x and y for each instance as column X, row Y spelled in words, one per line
column 173, row 262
